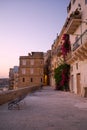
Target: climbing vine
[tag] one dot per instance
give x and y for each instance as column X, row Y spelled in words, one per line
column 62, row 72
column 61, row 75
column 66, row 47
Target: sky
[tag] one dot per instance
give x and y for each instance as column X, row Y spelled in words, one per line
column 27, row 26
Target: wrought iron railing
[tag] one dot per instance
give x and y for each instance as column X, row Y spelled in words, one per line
column 81, row 40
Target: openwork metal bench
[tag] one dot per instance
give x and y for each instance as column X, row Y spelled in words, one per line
column 16, row 103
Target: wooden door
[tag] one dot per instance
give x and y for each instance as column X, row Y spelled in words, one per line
column 78, row 84
column 72, row 80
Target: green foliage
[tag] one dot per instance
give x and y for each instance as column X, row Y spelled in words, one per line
column 61, row 75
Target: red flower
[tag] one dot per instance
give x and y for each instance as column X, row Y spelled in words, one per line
column 66, row 45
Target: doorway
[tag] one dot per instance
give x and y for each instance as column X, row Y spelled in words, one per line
column 72, row 83
column 78, row 84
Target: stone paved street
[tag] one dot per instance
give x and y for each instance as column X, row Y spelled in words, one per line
column 46, row 109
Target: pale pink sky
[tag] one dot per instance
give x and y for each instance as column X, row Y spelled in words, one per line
column 28, row 25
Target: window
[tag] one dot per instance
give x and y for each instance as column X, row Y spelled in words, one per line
column 32, row 62
column 23, row 80
column 23, row 62
column 41, row 71
column 31, row 71
column 23, row 71
column 31, row 79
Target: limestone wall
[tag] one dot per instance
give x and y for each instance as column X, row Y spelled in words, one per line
column 9, row 95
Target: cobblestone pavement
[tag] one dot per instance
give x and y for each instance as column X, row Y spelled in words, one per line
column 46, row 109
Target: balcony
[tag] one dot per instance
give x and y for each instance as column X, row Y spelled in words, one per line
column 81, row 41
column 79, row 49
column 59, row 51
column 75, row 46
column 73, row 22
column 69, row 55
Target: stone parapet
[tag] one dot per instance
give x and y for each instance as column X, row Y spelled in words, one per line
column 9, row 95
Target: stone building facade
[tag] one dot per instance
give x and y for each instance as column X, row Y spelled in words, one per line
column 47, row 66
column 13, row 77
column 31, row 70
column 76, row 27
column 56, row 56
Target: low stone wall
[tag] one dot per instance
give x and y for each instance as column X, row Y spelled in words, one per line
column 9, row 95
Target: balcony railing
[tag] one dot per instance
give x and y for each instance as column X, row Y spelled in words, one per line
column 69, row 55
column 79, row 49
column 81, row 40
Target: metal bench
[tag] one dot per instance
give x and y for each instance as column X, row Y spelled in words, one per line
column 15, row 103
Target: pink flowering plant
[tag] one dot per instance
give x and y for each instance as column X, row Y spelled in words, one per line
column 61, row 75
column 66, row 47
column 62, row 72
